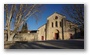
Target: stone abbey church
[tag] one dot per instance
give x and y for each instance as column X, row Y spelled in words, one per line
column 56, row 28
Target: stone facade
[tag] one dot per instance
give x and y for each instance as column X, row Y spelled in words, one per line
column 57, row 27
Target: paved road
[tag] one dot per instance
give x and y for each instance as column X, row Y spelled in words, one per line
column 52, row 44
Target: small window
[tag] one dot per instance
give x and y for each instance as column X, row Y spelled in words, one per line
column 60, row 24
column 56, row 24
column 56, row 17
column 52, row 24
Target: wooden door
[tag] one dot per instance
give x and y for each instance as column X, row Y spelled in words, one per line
column 56, row 35
column 42, row 37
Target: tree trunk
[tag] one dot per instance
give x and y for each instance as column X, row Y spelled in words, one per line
column 10, row 38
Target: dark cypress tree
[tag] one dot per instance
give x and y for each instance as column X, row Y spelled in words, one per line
column 24, row 28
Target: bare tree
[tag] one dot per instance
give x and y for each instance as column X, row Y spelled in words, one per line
column 19, row 13
column 75, row 12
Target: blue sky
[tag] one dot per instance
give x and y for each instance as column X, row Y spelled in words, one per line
column 50, row 9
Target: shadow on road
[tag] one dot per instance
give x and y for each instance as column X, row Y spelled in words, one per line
column 31, row 46
column 54, row 44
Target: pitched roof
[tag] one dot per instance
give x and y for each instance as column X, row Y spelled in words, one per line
column 55, row 13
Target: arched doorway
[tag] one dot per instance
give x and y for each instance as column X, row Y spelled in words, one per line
column 56, row 34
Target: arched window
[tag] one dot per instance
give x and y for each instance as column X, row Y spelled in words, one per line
column 56, row 24
column 52, row 24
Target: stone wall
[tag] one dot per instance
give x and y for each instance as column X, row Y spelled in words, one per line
column 26, row 37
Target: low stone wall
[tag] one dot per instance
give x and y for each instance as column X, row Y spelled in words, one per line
column 26, row 37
